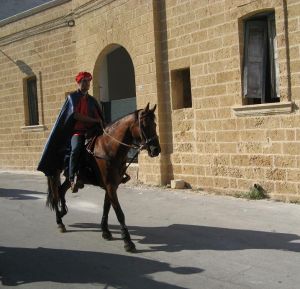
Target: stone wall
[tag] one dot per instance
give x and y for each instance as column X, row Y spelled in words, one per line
column 41, row 45
column 44, row 45
column 130, row 25
column 213, row 148
column 216, row 144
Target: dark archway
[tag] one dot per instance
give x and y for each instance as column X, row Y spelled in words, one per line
column 114, row 82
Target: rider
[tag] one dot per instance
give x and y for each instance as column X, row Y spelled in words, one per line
column 86, row 116
column 79, row 113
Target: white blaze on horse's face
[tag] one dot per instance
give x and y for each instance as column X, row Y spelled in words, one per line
column 148, row 131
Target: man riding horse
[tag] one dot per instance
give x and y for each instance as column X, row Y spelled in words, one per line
column 103, row 162
column 80, row 113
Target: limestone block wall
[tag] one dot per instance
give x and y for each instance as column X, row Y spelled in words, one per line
column 213, row 148
column 213, row 144
column 128, row 24
column 41, row 45
column 55, row 52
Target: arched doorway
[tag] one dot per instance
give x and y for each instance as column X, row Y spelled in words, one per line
column 115, row 82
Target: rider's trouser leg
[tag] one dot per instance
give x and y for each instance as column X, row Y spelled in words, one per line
column 77, row 144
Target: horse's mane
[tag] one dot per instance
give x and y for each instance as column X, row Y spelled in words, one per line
column 114, row 123
column 119, row 119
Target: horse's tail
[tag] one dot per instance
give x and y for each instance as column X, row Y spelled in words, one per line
column 53, row 191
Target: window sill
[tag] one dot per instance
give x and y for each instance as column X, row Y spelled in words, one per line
column 263, row 109
column 39, row 127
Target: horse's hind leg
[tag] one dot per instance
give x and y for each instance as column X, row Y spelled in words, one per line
column 54, row 198
column 62, row 192
column 62, row 189
column 128, row 244
column 106, row 234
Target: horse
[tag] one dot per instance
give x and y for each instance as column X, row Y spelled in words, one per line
column 109, row 154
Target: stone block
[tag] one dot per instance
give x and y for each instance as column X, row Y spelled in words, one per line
column 177, row 184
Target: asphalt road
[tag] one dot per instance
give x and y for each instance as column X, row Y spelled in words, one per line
column 184, row 240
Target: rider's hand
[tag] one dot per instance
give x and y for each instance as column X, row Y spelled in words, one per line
column 99, row 121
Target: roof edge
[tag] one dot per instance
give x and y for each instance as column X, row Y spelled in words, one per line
column 32, row 11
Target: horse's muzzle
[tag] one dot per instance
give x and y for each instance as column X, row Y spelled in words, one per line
column 154, row 151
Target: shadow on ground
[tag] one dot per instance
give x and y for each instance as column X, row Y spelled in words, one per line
column 25, row 265
column 16, row 194
column 178, row 237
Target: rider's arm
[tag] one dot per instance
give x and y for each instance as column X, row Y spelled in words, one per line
column 85, row 118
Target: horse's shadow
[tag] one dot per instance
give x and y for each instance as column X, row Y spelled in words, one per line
column 29, row 265
column 179, row 237
column 18, row 194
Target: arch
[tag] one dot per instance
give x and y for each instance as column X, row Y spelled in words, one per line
column 114, row 81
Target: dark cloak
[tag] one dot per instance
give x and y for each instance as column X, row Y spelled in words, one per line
column 58, row 142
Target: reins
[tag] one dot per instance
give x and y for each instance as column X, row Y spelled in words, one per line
column 122, row 143
column 132, row 146
column 138, row 149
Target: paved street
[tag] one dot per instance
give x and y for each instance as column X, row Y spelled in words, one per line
column 184, row 240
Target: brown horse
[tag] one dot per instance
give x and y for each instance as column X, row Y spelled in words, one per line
column 109, row 157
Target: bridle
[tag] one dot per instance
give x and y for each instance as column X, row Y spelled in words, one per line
column 145, row 141
column 144, row 144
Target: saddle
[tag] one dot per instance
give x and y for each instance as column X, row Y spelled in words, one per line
column 88, row 171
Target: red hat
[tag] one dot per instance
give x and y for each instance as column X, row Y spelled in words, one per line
column 83, row 75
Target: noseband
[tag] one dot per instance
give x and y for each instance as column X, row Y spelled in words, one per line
column 145, row 140
column 144, row 144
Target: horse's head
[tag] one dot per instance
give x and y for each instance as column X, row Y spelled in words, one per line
column 146, row 131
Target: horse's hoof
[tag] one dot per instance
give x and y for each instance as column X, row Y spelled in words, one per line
column 80, row 185
column 130, row 247
column 107, row 236
column 125, row 179
column 62, row 228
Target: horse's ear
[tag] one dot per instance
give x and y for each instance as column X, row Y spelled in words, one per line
column 154, row 108
column 147, row 107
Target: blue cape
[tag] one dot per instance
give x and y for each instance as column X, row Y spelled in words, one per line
column 59, row 139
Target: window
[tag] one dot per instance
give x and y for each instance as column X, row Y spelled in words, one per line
column 260, row 60
column 181, row 88
column 31, row 102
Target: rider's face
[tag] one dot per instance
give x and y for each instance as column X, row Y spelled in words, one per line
column 84, row 85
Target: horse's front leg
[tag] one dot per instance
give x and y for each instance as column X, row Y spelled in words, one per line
column 106, row 234
column 112, row 193
column 59, row 221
